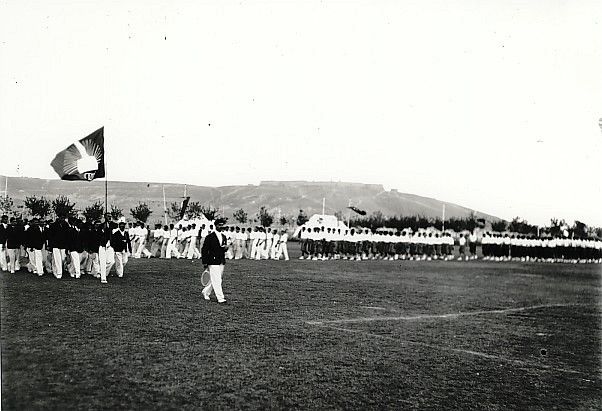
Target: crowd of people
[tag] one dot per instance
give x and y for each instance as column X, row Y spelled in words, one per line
column 185, row 240
column 321, row 243
column 65, row 245
column 516, row 247
column 78, row 247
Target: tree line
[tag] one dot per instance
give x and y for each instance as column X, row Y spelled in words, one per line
column 556, row 228
column 62, row 207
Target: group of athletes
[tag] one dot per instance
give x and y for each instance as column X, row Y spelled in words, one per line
column 185, row 240
column 357, row 244
column 64, row 245
column 79, row 247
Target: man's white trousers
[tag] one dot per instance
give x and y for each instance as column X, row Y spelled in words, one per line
column 58, row 256
column 121, row 259
column 215, row 273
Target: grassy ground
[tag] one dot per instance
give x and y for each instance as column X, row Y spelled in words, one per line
column 306, row 334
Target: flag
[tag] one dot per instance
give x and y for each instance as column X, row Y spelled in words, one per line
column 82, row 160
column 357, row 210
column 184, row 205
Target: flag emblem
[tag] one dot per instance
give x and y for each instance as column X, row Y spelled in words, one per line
column 82, row 160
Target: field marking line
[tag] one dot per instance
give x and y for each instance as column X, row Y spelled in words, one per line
column 444, row 316
column 459, row 351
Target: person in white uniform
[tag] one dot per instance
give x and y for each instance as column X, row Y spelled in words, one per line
column 282, row 248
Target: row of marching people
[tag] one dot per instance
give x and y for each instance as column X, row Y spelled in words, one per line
column 185, row 240
column 64, row 245
column 323, row 243
column 509, row 247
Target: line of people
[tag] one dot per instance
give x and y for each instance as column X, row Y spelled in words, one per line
column 185, row 240
column 322, row 243
column 516, row 247
column 64, row 245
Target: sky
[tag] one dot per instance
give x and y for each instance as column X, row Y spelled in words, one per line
column 494, row 105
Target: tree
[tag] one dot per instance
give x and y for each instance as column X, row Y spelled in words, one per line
column 194, row 209
column 265, row 217
column 211, row 213
column 302, row 218
column 38, row 207
column 6, row 204
column 471, row 221
column 498, row 226
column 141, row 212
column 284, row 220
column 174, row 209
column 517, row 225
column 579, row 229
column 241, row 216
column 63, row 207
column 94, row 211
column 377, row 217
column 556, row 227
column 116, row 212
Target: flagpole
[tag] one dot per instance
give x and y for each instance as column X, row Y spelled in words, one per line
column 164, row 205
column 348, row 212
column 106, row 191
column 106, row 181
column 443, row 219
column 323, row 204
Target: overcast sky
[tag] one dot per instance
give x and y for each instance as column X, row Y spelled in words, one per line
column 494, row 105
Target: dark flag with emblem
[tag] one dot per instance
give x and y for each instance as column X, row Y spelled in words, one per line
column 82, row 160
column 184, row 205
column 357, row 210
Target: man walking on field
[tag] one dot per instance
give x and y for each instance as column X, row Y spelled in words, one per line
column 213, row 255
column 120, row 241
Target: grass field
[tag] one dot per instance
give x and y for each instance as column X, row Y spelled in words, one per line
column 307, row 334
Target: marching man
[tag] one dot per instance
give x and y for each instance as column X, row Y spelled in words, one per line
column 120, row 242
column 142, row 236
column 3, row 237
column 282, row 248
column 214, row 257
column 34, row 239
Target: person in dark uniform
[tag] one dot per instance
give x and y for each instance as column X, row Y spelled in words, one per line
column 59, row 239
column 86, row 238
column 3, row 238
column 13, row 244
column 122, row 246
column 214, row 257
column 98, row 251
column 34, row 241
column 75, row 247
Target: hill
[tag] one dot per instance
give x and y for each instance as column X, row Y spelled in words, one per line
column 284, row 197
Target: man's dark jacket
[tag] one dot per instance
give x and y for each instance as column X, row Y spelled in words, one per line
column 15, row 236
column 59, row 234
column 213, row 253
column 121, row 241
column 3, row 233
column 34, row 237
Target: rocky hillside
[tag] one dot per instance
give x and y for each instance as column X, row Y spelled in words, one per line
column 284, row 197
